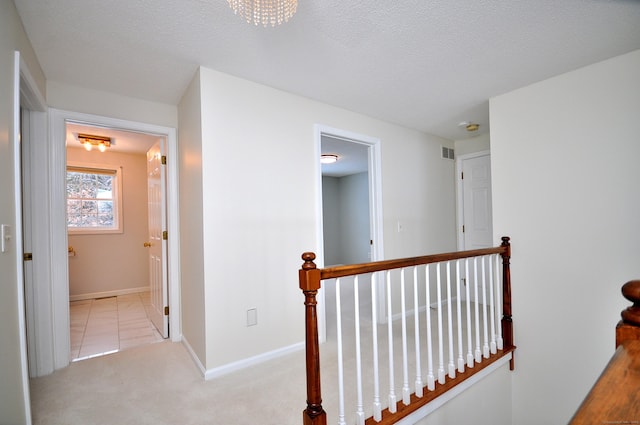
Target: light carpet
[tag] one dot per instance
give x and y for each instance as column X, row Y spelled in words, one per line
column 159, row 384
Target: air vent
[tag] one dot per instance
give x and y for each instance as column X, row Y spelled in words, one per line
column 447, row 153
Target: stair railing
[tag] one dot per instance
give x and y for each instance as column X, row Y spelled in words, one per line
column 311, row 277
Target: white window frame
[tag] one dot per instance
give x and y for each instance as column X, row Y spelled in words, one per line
column 117, row 198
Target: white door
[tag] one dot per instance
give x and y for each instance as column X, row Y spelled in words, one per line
column 474, row 211
column 476, row 202
column 157, row 244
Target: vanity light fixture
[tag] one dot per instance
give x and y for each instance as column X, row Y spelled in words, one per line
column 89, row 141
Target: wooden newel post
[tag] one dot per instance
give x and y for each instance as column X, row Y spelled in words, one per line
column 309, row 277
column 507, row 321
column 629, row 327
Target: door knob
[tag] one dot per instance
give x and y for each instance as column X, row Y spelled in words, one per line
column 147, row 244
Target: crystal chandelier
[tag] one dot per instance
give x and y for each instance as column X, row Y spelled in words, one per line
column 265, row 12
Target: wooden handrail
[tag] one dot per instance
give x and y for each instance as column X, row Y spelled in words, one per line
column 310, row 278
column 615, row 397
column 377, row 266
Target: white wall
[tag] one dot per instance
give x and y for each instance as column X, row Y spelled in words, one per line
column 565, row 188
column 12, row 392
column 260, row 215
column 331, row 220
column 488, row 402
column 354, row 209
column 474, row 144
column 346, row 221
column 192, row 221
column 115, row 262
column 89, row 101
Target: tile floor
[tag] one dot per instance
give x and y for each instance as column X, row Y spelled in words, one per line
column 107, row 325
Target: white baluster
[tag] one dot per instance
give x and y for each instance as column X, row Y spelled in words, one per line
column 478, row 352
column 485, row 324
column 492, row 311
column 431, row 383
column 440, row 336
column 392, row 392
column 377, row 406
column 451, row 364
column 406, row 392
column 341, row 417
column 360, row 405
column 469, row 329
column 416, row 316
column 459, row 315
column 499, row 341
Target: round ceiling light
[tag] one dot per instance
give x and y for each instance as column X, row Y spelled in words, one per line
column 328, row 158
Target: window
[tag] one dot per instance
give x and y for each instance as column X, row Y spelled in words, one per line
column 93, row 200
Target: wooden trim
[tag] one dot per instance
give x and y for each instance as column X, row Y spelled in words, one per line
column 416, row 402
column 309, row 277
column 615, row 398
column 353, row 269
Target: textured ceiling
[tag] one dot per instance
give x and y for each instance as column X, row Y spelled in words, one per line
column 424, row 64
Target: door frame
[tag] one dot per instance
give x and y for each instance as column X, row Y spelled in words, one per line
column 460, row 193
column 57, row 228
column 27, row 99
column 375, row 211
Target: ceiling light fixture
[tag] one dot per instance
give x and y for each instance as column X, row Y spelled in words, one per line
column 265, row 12
column 469, row 126
column 89, row 141
column 472, row 127
column 328, row 158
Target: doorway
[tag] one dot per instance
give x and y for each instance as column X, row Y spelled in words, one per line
column 350, row 229
column 475, row 219
column 475, row 230
column 110, row 174
column 51, row 349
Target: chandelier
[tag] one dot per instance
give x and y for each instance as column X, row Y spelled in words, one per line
column 265, row 12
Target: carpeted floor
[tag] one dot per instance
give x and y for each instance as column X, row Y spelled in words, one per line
column 159, row 384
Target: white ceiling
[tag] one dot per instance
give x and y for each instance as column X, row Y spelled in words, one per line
column 423, row 64
column 353, row 157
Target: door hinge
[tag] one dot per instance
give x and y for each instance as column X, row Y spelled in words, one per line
column 163, row 159
column 27, row 256
column 166, row 310
column 462, row 176
column 165, row 235
column 463, row 228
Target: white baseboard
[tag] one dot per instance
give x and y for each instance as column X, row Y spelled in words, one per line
column 240, row 364
column 105, row 294
column 251, row 361
column 194, row 357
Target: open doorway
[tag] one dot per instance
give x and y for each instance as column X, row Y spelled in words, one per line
column 351, row 227
column 49, row 344
column 115, row 214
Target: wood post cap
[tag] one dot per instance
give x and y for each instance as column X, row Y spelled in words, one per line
column 631, row 291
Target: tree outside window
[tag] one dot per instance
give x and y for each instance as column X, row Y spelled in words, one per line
column 93, row 200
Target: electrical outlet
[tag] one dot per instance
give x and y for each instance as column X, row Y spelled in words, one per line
column 252, row 317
